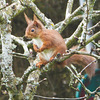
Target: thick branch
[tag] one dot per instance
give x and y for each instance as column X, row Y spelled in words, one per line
column 82, row 53
column 72, row 52
column 42, row 17
column 12, row 10
column 32, row 84
column 26, row 74
column 69, row 8
column 72, row 39
column 7, row 71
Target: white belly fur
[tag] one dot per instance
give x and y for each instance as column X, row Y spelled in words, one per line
column 38, row 42
column 46, row 54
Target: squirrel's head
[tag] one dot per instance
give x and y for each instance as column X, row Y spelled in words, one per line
column 34, row 27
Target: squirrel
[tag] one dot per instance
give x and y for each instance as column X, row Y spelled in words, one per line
column 49, row 43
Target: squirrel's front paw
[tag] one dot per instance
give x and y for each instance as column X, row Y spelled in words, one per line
column 51, row 59
column 39, row 65
column 36, row 48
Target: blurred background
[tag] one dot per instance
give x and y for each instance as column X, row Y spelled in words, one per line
column 57, row 83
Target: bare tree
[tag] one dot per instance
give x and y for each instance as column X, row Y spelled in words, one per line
column 31, row 75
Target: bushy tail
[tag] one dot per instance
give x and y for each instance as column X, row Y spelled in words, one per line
column 83, row 60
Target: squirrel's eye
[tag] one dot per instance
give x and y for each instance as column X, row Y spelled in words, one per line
column 32, row 30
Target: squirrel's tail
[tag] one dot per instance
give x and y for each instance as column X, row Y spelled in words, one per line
column 84, row 61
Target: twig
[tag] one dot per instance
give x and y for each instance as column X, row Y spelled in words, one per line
column 62, row 25
column 80, row 52
column 74, row 68
column 86, row 66
column 21, row 42
column 26, row 74
column 80, row 17
column 93, row 27
column 42, row 80
column 96, row 44
column 55, row 98
column 20, row 55
column 4, row 6
column 96, row 11
column 87, row 90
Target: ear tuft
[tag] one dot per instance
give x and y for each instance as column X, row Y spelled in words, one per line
column 35, row 18
column 27, row 19
column 38, row 23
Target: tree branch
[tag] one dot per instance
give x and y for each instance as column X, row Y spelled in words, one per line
column 86, row 90
column 95, row 36
column 72, row 39
column 26, row 74
column 93, row 27
column 69, row 8
column 32, row 84
column 48, row 22
column 80, row 17
column 72, row 52
column 9, row 12
column 87, row 66
column 55, row 98
column 19, row 55
column 62, row 25
column 4, row 6
column 21, row 42
column 12, row 10
column 8, row 76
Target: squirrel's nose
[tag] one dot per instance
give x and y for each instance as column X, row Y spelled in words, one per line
column 26, row 38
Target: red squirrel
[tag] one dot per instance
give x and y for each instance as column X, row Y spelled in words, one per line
column 49, row 43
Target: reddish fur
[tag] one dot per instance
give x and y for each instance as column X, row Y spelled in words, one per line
column 52, row 39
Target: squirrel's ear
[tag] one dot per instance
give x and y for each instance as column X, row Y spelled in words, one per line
column 38, row 23
column 27, row 19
